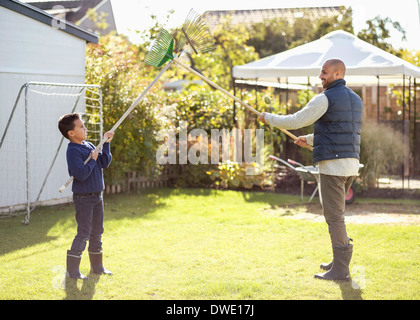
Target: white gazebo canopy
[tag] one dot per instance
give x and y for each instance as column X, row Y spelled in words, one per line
column 364, row 62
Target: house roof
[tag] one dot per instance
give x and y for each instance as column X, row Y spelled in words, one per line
column 75, row 11
column 214, row 18
column 42, row 16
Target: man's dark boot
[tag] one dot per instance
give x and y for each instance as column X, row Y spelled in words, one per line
column 328, row 266
column 96, row 265
column 340, row 266
column 73, row 263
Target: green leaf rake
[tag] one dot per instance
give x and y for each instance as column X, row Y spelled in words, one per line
column 195, row 36
column 194, row 32
column 164, row 53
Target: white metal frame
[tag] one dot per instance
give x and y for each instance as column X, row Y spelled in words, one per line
column 25, row 89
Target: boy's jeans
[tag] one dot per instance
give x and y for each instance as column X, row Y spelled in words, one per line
column 90, row 218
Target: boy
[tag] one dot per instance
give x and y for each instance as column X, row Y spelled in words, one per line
column 87, row 188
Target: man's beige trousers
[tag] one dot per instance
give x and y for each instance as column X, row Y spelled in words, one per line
column 333, row 192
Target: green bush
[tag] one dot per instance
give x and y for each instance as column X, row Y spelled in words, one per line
column 117, row 66
column 231, row 175
column 382, row 151
column 199, row 108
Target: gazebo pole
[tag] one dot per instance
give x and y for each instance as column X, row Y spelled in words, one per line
column 287, row 112
column 415, row 120
column 287, row 95
column 409, row 130
column 234, row 93
column 403, row 131
column 307, row 91
column 256, row 96
column 377, row 98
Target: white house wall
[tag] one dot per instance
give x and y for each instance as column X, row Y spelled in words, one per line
column 31, row 47
column 33, row 51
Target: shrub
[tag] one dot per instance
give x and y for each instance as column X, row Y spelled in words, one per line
column 231, row 175
column 117, row 66
column 382, row 151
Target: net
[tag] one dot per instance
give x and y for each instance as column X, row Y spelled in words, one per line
column 33, row 151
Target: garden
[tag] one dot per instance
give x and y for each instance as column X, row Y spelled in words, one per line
column 207, row 244
column 213, row 232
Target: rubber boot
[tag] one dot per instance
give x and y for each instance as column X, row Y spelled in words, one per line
column 328, row 266
column 96, row 265
column 73, row 263
column 340, row 266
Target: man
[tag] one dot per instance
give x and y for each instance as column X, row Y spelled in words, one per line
column 337, row 117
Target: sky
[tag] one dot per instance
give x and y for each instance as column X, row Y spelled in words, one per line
column 132, row 15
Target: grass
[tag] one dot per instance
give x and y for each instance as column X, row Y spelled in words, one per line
column 205, row 244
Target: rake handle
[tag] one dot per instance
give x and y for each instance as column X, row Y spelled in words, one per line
column 291, row 135
column 117, row 124
column 216, row 86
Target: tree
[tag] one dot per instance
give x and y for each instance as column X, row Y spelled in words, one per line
column 117, row 66
column 277, row 35
column 378, row 33
column 411, row 56
column 231, row 50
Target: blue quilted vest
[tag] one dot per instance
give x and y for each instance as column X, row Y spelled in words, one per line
column 337, row 132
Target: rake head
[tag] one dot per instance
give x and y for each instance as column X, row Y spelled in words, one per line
column 195, row 34
column 161, row 50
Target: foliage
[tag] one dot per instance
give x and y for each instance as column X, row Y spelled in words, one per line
column 409, row 93
column 381, row 152
column 274, row 138
column 231, row 50
column 304, row 96
column 232, row 175
column 378, row 32
column 99, row 19
column 116, row 65
column 276, row 35
column 201, row 108
column 412, row 56
column 402, row 97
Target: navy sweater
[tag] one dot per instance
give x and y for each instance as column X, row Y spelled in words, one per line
column 88, row 178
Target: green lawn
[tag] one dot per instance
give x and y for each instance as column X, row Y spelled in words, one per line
column 205, row 244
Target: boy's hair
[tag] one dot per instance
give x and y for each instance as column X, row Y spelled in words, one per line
column 66, row 123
